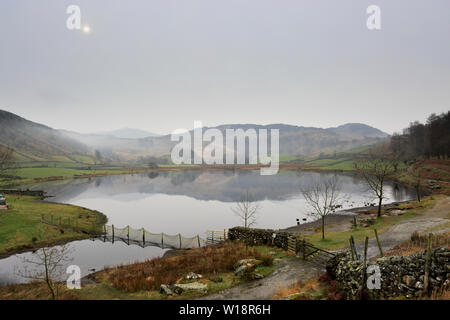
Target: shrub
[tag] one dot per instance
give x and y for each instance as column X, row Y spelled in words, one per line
column 149, row 275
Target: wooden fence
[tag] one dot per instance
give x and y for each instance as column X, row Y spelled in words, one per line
column 216, row 237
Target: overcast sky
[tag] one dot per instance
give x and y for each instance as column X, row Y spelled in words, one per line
column 158, row 65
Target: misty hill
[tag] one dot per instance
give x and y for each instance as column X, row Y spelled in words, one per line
column 358, row 131
column 127, row 133
column 123, row 149
column 34, row 141
column 308, row 141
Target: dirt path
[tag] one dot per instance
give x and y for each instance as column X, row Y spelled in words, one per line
column 402, row 231
column 287, row 273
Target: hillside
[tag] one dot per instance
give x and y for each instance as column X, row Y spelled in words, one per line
column 34, row 141
column 358, row 131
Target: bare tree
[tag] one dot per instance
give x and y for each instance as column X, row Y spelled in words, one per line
column 375, row 172
column 48, row 266
column 246, row 209
column 98, row 157
column 323, row 197
column 415, row 172
column 7, row 161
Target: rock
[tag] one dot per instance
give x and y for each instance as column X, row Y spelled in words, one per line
column 257, row 276
column 193, row 286
column 246, row 261
column 244, row 269
column 165, row 289
column 294, row 296
column 394, row 213
column 193, row 276
column 419, row 285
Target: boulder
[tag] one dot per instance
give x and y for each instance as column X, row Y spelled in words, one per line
column 244, row 269
column 193, row 276
column 193, row 286
column 257, row 276
column 165, row 289
column 246, row 261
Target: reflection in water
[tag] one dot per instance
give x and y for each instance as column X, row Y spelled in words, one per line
column 190, row 203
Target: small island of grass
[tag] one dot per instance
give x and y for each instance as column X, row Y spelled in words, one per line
column 27, row 224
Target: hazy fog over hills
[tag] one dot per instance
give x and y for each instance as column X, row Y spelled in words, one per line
column 33, row 141
column 128, row 133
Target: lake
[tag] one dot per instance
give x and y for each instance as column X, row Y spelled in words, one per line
column 186, row 202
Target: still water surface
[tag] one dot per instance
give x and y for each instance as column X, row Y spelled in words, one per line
column 186, row 202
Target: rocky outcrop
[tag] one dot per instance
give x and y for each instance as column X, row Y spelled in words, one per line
column 399, row 276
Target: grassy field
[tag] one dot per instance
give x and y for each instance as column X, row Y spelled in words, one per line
column 21, row 226
column 338, row 240
column 141, row 281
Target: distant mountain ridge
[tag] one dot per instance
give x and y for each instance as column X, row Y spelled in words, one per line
column 358, row 130
column 34, row 141
column 128, row 133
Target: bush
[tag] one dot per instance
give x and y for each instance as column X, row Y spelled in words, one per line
column 150, row 275
column 267, row 259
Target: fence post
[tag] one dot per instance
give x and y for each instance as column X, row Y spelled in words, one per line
column 378, row 242
column 363, row 284
column 351, row 248
column 143, row 236
column 198, row 240
column 354, row 247
column 128, row 234
column 426, row 280
column 162, row 240
column 224, row 234
column 179, row 236
column 304, row 249
column 112, row 233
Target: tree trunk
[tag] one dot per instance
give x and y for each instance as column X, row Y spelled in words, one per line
column 323, row 227
column 379, row 207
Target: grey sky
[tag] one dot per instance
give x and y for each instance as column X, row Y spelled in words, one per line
column 159, row 65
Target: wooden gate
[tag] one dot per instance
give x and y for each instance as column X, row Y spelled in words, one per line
column 215, row 237
column 292, row 244
column 314, row 254
column 307, row 251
